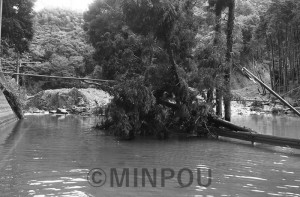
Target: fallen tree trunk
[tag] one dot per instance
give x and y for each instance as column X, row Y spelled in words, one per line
column 14, row 103
column 222, row 123
column 227, row 129
column 259, row 138
column 11, row 98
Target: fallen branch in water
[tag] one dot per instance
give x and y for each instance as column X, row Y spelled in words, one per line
column 222, row 123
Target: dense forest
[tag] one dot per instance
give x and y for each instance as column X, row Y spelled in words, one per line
column 161, row 55
column 278, row 33
column 59, row 43
column 58, row 46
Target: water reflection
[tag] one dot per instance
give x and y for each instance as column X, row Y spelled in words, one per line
column 282, row 126
column 51, row 156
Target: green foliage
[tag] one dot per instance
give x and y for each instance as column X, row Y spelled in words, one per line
column 280, row 14
column 170, row 22
column 17, row 24
column 131, row 102
column 248, row 14
column 147, row 46
column 60, row 45
column 127, row 41
column 277, row 37
column 117, row 49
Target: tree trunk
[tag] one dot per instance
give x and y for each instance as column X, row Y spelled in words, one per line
column 11, row 97
column 287, row 63
column 279, row 63
column 227, row 77
column 219, row 105
column 173, row 63
column 272, row 69
column 217, row 42
column 210, row 95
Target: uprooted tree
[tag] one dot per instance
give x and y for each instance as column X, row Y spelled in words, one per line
column 146, row 46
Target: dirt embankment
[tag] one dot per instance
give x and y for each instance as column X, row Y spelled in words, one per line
column 74, row 100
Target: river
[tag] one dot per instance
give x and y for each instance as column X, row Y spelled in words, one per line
column 52, row 155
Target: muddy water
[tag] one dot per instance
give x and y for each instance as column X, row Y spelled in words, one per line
column 51, row 156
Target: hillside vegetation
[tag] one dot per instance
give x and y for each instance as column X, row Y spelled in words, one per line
column 59, row 43
column 60, row 48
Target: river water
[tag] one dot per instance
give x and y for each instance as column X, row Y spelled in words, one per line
column 52, row 155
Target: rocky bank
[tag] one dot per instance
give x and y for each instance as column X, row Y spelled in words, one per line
column 75, row 101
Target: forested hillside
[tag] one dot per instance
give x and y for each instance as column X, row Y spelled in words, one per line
column 278, row 33
column 246, row 47
column 58, row 46
column 59, row 43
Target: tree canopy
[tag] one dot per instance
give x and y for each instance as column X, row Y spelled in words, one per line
column 147, row 47
column 17, row 24
column 59, row 44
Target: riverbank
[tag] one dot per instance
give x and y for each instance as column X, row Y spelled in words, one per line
column 250, row 100
column 260, row 108
column 90, row 101
column 75, row 101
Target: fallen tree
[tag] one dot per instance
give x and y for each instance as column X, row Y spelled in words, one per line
column 11, row 96
column 257, row 138
column 217, row 122
column 141, row 108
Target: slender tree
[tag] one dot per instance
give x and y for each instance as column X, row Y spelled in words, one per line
column 219, row 6
column 217, row 42
column 230, row 26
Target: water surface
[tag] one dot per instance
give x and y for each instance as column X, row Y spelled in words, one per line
column 51, row 156
column 268, row 124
